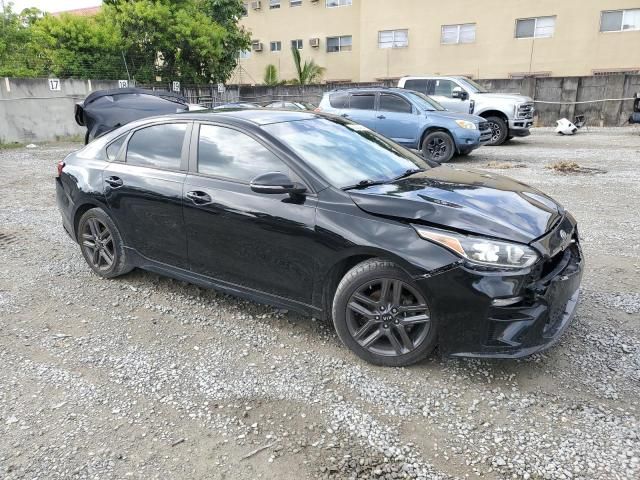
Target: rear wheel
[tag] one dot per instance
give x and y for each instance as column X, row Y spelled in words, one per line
column 381, row 315
column 438, row 146
column 499, row 131
column 101, row 244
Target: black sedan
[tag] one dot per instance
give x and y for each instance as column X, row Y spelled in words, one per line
column 323, row 216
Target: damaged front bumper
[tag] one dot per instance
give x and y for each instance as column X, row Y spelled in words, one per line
column 501, row 314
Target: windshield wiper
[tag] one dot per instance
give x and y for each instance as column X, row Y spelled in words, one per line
column 408, row 173
column 364, row 184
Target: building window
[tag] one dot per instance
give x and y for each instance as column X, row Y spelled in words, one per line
column 295, row 3
column 338, row 3
column 393, row 38
column 274, row 3
column 463, row 33
column 276, row 46
column 620, row 20
column 339, row 44
column 540, row 27
column 297, row 44
column 244, row 54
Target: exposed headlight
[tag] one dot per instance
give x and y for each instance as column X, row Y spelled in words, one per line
column 483, row 251
column 466, row 124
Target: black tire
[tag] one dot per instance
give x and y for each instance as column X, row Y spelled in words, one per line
column 438, row 146
column 464, row 153
column 499, row 131
column 509, row 138
column 400, row 336
column 99, row 241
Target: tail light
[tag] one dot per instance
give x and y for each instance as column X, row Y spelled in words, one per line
column 61, row 165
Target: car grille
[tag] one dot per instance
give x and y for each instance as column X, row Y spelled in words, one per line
column 526, row 111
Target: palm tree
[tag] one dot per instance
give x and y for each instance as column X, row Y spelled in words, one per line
column 271, row 76
column 308, row 73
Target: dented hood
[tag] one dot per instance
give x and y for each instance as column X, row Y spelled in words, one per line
column 467, row 200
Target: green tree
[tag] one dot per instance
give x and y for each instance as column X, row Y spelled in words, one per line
column 196, row 41
column 76, row 46
column 271, row 76
column 15, row 38
column 308, row 72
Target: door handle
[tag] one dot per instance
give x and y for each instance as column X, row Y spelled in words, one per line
column 381, row 117
column 345, row 115
column 114, row 182
column 199, row 198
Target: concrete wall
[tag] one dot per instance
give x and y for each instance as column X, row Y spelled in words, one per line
column 31, row 112
column 567, row 90
column 577, row 47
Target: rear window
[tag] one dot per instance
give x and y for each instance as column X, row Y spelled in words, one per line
column 339, row 100
column 363, row 102
column 158, row 146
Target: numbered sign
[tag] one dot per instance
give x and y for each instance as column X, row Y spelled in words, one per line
column 221, row 88
column 123, row 83
column 54, row 84
column 176, row 86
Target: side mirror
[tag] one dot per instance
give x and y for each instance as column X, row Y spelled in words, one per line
column 459, row 93
column 276, row 183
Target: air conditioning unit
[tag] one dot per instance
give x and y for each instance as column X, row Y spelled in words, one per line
column 256, row 45
column 256, row 5
column 314, row 42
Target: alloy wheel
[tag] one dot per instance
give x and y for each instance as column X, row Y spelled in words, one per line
column 496, row 131
column 97, row 242
column 388, row 317
column 437, row 148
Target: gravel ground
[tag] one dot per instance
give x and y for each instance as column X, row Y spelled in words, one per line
column 146, row 377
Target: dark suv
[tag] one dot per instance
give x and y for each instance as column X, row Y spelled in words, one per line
column 323, row 216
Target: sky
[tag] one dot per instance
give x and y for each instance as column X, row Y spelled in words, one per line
column 52, row 5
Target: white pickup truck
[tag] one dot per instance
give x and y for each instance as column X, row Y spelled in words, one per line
column 509, row 115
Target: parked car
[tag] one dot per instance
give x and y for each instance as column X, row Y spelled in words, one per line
column 104, row 110
column 411, row 119
column 508, row 115
column 282, row 105
column 237, row 105
column 323, row 216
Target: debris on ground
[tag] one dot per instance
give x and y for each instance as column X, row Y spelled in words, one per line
column 567, row 166
column 504, row 165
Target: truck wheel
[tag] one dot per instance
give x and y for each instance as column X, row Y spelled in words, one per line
column 438, row 146
column 499, row 131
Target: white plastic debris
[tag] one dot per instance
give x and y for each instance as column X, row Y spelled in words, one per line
column 32, row 145
column 565, row 127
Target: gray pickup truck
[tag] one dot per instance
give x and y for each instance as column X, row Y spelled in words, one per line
column 509, row 115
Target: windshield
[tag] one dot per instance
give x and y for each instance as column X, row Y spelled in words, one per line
column 424, row 102
column 345, row 153
column 473, row 85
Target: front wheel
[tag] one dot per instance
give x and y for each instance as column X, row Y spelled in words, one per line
column 382, row 316
column 499, row 131
column 438, row 146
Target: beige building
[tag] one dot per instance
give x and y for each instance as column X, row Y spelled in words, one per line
column 371, row 40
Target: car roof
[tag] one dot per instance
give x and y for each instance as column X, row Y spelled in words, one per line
column 421, row 77
column 247, row 115
column 369, row 89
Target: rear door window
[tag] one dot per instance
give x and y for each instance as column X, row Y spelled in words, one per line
column 417, row 85
column 339, row 100
column 158, row 146
column 228, row 153
column 114, row 148
column 365, row 101
column 394, row 103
